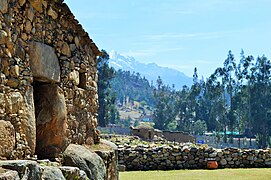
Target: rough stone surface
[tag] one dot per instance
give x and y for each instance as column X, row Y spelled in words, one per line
column 121, row 168
column 223, row 162
column 2, row 103
column 37, row 4
column 51, row 117
column 32, row 170
column 8, row 174
column 29, row 120
column 44, row 63
column 84, row 159
column 4, row 6
column 3, row 35
column 66, row 49
column 7, row 138
column 177, row 157
column 22, row 2
column 52, row 173
column 71, row 173
column 14, row 102
column 52, row 13
column 110, row 158
column 26, row 169
column 74, row 76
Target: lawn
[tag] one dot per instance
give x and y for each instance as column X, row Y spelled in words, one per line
column 232, row 174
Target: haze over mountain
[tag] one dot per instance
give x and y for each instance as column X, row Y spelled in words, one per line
column 151, row 71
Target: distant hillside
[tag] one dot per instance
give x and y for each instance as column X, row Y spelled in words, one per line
column 150, row 71
column 132, row 86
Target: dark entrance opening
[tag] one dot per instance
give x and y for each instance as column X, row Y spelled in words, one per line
column 150, row 135
column 50, row 114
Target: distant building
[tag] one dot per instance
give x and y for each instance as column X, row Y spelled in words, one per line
column 115, row 129
column 145, row 132
column 148, row 133
column 177, row 136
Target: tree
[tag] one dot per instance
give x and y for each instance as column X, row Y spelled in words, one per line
column 260, row 95
column 132, row 85
column 226, row 74
column 106, row 109
column 199, row 127
column 164, row 112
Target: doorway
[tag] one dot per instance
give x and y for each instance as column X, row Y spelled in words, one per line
column 50, row 114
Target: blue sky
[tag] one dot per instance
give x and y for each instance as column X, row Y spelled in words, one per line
column 182, row 34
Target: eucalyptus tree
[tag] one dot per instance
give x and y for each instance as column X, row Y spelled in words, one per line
column 260, row 96
column 164, row 112
column 183, row 109
column 248, row 79
column 105, row 99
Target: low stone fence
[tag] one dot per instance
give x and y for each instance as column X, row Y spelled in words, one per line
column 145, row 157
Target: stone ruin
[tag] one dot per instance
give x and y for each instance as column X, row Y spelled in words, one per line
column 48, row 80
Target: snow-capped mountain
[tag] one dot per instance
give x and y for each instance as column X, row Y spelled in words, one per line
column 151, row 71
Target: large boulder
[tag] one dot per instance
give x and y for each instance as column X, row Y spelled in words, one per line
column 26, row 169
column 44, row 63
column 6, row 174
column 51, row 117
column 28, row 120
column 109, row 153
column 52, row 173
column 84, row 159
column 71, row 173
column 7, row 138
column 32, row 170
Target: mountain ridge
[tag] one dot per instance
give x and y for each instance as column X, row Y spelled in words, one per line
column 150, row 71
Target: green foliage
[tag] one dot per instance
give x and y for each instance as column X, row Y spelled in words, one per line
column 136, row 123
column 126, row 123
column 107, row 111
column 143, row 103
column 199, row 127
column 132, row 85
column 236, row 97
column 164, row 113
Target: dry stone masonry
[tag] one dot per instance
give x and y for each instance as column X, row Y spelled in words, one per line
column 48, row 80
column 169, row 157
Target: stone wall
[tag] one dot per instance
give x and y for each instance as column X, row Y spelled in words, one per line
column 48, row 80
column 149, row 133
column 178, row 136
column 145, row 157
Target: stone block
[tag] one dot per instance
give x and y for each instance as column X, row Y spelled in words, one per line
column 71, row 173
column 44, row 63
column 14, row 101
column 74, row 76
column 4, row 6
column 32, row 170
column 52, row 13
column 84, row 159
column 7, row 138
column 36, row 4
column 29, row 123
column 8, row 174
column 2, row 103
column 3, row 34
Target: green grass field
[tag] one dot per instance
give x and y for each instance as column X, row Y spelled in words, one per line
column 232, row 174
